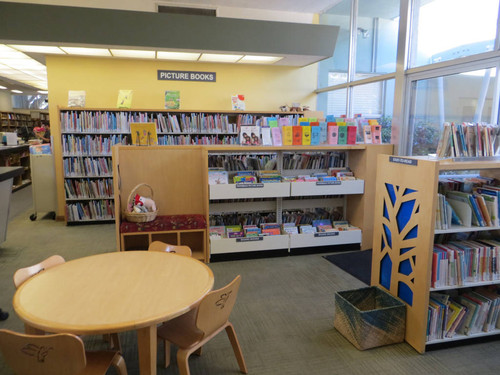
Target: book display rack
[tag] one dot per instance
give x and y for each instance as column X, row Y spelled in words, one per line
column 408, row 249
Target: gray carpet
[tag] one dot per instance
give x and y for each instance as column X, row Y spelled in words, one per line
column 283, row 317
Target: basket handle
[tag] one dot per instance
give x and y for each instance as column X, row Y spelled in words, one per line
column 132, row 193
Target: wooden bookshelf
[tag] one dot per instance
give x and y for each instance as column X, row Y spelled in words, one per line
column 17, row 156
column 405, row 206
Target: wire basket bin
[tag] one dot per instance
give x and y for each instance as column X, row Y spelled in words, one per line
column 139, row 217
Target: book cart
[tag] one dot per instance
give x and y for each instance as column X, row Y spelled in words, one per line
column 403, row 235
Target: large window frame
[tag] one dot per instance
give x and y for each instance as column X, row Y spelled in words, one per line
column 405, row 77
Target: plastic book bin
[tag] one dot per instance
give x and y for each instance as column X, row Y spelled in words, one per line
column 369, row 317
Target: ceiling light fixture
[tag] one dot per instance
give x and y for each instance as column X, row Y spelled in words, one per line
column 133, row 53
column 186, row 56
column 3, row 88
column 38, row 49
column 17, row 91
column 42, row 91
column 219, row 57
column 253, row 59
column 86, row 51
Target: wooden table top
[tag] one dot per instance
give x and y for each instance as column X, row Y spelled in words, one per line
column 112, row 292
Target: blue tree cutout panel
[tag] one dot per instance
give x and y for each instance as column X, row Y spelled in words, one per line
column 399, row 207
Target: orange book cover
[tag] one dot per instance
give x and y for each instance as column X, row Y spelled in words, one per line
column 297, row 135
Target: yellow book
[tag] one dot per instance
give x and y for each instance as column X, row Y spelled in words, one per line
column 341, row 124
column 287, row 135
column 144, row 134
column 124, row 99
column 306, row 135
column 303, row 119
column 373, row 122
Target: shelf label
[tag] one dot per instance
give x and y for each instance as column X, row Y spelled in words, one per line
column 326, row 234
column 184, row 75
column 328, row 182
column 249, row 185
column 249, row 239
column 397, row 159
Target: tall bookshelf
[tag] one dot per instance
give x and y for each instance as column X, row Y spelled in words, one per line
column 87, row 136
column 11, row 121
column 404, row 233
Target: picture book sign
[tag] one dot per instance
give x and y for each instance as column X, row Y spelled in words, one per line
column 183, row 75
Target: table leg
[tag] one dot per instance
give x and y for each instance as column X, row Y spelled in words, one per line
column 147, row 345
column 32, row 330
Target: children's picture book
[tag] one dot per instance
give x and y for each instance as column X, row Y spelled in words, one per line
column 342, row 136
column 238, row 102
column 367, row 134
column 172, row 99
column 287, row 135
column 217, row 177
column 377, row 134
column 306, row 134
column 315, row 134
column 124, row 99
column 333, row 131
column 297, row 135
column 144, row 133
column 249, row 135
column 323, row 138
column 276, row 136
column 266, row 136
column 76, row 98
column 351, row 134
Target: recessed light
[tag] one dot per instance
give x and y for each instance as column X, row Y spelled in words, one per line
column 253, row 59
column 17, row 91
column 219, row 57
column 42, row 91
column 187, row 56
column 3, row 88
column 140, row 54
column 38, row 49
column 86, row 51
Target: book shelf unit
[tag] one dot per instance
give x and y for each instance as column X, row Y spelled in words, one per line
column 17, row 156
column 352, row 196
column 11, row 121
column 87, row 135
column 403, row 235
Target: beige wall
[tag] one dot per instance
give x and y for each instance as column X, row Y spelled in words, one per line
column 265, row 88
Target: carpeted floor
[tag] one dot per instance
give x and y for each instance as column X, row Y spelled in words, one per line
column 356, row 263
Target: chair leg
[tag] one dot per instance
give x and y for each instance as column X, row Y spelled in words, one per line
column 182, row 361
column 119, row 364
column 198, row 351
column 231, row 334
column 166, row 345
column 114, row 342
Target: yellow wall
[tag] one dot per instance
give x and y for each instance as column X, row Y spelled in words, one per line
column 265, row 88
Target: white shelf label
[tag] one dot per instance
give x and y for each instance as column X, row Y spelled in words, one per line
column 249, row 185
column 326, row 234
column 249, row 239
column 328, row 182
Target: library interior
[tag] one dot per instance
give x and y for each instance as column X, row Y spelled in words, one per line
column 320, row 180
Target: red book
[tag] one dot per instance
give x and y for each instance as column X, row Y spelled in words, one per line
column 297, row 135
column 351, row 135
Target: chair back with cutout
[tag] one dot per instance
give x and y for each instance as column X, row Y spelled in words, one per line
column 61, row 354
column 23, row 274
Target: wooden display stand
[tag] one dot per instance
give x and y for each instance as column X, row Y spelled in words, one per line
column 178, row 177
column 403, row 233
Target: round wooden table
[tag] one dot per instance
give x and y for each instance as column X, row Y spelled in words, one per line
column 114, row 292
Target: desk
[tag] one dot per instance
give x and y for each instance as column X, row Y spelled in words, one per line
column 114, row 292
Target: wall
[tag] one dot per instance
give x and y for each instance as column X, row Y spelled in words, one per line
column 5, row 101
column 265, row 88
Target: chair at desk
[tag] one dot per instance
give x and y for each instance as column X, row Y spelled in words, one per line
column 23, row 274
column 192, row 330
column 162, row 246
column 55, row 354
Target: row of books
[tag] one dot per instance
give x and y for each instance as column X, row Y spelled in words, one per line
column 282, row 120
column 96, row 121
column 78, row 166
column 468, row 140
column 468, row 313
column 254, row 218
column 196, row 140
column 457, row 263
column 86, row 188
column 242, row 162
column 272, row 229
column 308, row 216
column 92, row 210
column 90, row 144
column 194, row 123
column 323, row 160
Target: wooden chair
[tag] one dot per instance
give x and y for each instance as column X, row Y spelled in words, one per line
column 192, row 330
column 23, row 274
column 162, row 246
column 61, row 353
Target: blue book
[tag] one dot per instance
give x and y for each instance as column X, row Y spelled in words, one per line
column 330, row 118
column 315, row 135
column 323, row 132
column 475, row 210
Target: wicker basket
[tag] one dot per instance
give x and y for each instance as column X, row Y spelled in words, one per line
column 142, row 217
column 369, row 317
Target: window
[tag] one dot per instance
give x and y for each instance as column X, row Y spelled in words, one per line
column 333, row 102
column 375, row 101
column 377, row 26
column 462, row 97
column 30, row 101
column 338, row 15
column 448, row 29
